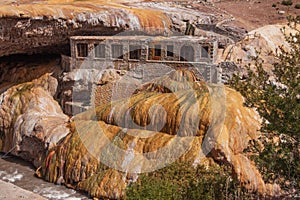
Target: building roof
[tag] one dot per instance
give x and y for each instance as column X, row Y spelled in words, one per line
column 146, row 38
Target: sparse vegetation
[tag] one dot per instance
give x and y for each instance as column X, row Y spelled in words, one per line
column 297, row 6
column 287, row 2
column 277, row 99
column 183, row 181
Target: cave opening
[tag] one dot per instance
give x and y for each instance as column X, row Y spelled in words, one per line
column 20, row 68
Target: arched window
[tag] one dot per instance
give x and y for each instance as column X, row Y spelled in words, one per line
column 170, row 50
column 187, row 53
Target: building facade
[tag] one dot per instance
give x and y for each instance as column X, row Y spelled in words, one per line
column 144, row 58
column 129, row 52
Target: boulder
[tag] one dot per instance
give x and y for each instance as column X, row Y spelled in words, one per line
column 31, row 121
column 267, row 40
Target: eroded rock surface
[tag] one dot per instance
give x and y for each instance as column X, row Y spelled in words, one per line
column 264, row 42
column 31, row 121
column 45, row 26
column 19, row 69
column 128, row 136
column 205, row 123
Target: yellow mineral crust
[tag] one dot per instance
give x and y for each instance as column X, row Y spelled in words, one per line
column 69, row 10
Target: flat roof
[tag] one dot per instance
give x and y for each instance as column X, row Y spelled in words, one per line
column 146, row 38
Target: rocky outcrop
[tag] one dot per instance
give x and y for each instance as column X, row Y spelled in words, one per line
column 162, row 122
column 205, row 19
column 19, row 69
column 31, row 121
column 45, row 26
column 265, row 40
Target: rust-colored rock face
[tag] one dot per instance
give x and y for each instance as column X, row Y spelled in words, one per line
column 151, row 109
column 108, row 148
column 31, row 121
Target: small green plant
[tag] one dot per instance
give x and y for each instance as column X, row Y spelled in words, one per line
column 274, row 5
column 287, row 2
column 297, row 6
column 182, row 181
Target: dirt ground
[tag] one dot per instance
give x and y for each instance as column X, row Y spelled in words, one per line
column 251, row 14
column 248, row 14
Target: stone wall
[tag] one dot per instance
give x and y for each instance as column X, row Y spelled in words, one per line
column 109, row 92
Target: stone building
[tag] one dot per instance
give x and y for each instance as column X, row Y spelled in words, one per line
column 144, row 58
column 128, row 52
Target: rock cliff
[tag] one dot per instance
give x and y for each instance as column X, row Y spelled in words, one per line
column 19, row 69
